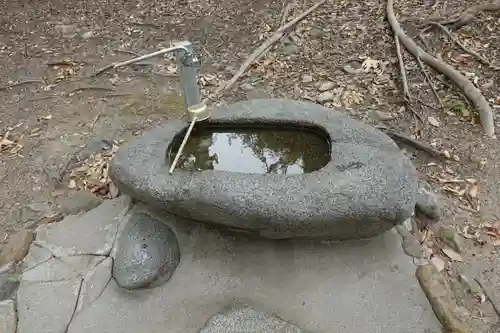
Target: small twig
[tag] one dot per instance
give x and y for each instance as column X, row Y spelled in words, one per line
column 463, row 47
column 91, row 88
column 417, row 115
column 429, row 81
column 117, row 95
column 102, row 70
column 126, row 52
column 284, row 16
column 264, row 46
column 208, row 52
column 487, row 292
column 426, row 104
column 402, row 70
column 61, row 63
column 21, row 83
column 424, row 41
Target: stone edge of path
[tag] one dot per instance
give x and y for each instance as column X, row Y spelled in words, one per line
column 76, row 265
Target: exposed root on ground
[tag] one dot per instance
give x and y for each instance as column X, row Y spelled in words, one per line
column 469, row 90
column 398, row 137
column 469, row 15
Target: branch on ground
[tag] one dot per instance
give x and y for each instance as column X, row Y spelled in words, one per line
column 470, row 91
column 464, row 48
column 264, row 47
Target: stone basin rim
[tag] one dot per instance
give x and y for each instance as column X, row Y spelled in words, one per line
column 381, row 187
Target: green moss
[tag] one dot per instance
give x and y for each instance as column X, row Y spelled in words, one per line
column 170, row 105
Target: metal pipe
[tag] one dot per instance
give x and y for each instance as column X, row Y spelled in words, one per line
column 150, row 55
column 188, row 64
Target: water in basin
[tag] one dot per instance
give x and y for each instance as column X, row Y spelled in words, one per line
column 253, row 149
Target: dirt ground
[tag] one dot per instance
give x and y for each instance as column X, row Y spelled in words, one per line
column 52, row 47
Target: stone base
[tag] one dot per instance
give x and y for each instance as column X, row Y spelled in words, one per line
column 301, row 286
column 212, row 280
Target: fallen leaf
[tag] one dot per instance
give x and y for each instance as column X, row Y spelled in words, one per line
column 452, row 254
column 72, row 183
column 433, row 121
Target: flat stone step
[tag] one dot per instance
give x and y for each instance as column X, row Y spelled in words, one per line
column 270, row 286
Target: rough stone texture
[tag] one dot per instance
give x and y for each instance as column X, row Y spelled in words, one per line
column 356, row 286
column 77, row 202
column 147, row 253
column 35, row 257
column 94, row 283
column 58, row 269
column 46, row 307
column 427, row 205
column 17, row 247
column 368, row 187
column 8, row 318
column 248, row 320
column 8, row 286
column 93, row 232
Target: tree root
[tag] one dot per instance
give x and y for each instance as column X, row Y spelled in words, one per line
column 21, row 83
column 469, row 90
column 398, row 137
column 469, row 15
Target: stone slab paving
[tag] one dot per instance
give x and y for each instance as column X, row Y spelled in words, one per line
column 207, row 280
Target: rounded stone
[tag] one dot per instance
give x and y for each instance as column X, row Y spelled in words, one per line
column 367, row 188
column 147, row 254
column 248, row 320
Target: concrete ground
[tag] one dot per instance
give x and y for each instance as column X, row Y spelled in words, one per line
column 224, row 282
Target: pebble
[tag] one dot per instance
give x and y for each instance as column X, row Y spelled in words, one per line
column 353, row 67
column 325, row 97
column 307, row 78
column 147, row 255
column 87, row 35
column 411, row 245
column 94, row 147
column 247, row 86
column 17, row 246
column 328, row 85
column 381, row 116
column 426, row 203
column 350, row 70
column 451, row 238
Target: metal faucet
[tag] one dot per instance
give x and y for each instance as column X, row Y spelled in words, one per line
column 188, row 64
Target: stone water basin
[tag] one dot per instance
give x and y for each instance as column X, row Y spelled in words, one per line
column 358, row 184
